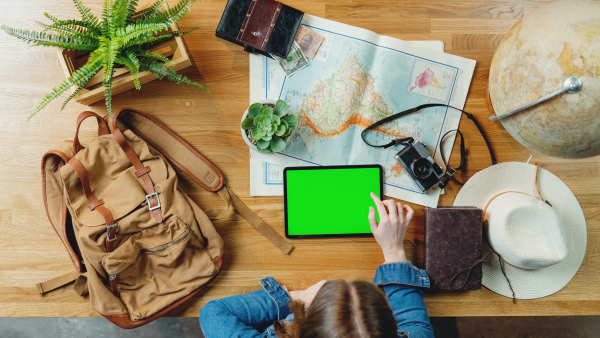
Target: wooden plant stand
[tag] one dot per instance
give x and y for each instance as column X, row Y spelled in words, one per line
column 174, row 49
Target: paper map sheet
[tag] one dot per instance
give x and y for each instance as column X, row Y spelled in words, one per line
column 357, row 78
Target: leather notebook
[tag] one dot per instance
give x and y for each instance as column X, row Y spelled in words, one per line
column 453, row 247
column 262, row 26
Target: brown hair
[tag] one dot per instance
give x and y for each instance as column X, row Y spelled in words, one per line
column 342, row 309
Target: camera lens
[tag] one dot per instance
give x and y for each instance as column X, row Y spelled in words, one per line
column 422, row 168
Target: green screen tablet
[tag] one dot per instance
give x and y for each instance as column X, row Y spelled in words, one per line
column 330, row 201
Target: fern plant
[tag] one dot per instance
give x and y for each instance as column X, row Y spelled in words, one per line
column 120, row 38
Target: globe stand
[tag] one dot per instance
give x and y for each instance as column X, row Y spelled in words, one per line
column 532, row 69
column 570, row 86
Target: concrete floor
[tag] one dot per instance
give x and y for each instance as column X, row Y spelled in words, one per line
column 189, row 327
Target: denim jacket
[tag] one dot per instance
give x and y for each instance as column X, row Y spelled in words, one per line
column 253, row 314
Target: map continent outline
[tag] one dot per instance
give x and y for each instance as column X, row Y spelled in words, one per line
column 375, row 108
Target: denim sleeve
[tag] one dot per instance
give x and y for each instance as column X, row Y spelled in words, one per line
column 401, row 282
column 245, row 315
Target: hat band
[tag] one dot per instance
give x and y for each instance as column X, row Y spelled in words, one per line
column 537, row 169
column 537, row 189
column 501, row 259
column 482, row 260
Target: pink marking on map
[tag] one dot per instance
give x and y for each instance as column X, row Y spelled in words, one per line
column 427, row 78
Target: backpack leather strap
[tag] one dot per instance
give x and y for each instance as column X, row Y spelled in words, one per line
column 55, row 200
column 178, row 151
column 102, row 128
column 230, row 197
column 96, row 204
column 143, row 173
column 182, row 155
column 57, row 282
column 80, row 287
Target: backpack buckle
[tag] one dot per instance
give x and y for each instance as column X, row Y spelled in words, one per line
column 108, row 229
column 150, row 208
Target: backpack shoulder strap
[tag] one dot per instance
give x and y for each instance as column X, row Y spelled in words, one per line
column 197, row 167
column 55, row 201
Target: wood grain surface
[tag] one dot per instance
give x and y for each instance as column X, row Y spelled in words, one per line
column 31, row 252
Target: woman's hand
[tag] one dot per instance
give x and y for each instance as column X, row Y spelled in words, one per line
column 393, row 223
column 307, row 295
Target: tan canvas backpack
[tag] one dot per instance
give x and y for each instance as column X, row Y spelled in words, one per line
column 117, row 206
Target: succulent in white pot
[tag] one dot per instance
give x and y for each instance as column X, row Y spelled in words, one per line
column 267, row 124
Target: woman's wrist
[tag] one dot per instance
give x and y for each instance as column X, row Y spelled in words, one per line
column 293, row 295
column 396, row 255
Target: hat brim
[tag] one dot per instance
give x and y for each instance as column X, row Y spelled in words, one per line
column 517, row 176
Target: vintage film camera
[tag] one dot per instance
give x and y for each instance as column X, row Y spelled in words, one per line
column 420, row 165
column 416, row 160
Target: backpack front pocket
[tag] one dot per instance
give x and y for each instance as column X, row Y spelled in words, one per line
column 158, row 266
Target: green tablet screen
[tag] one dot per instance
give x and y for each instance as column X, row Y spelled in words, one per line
column 330, row 201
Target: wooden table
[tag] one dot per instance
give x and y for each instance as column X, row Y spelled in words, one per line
column 31, row 252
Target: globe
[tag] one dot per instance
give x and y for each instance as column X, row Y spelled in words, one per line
column 557, row 41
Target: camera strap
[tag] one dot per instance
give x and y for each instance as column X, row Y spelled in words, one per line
column 409, row 140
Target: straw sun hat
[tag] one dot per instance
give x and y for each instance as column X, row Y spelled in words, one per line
column 541, row 244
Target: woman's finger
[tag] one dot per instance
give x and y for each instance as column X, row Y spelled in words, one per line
column 393, row 211
column 372, row 220
column 400, row 211
column 383, row 216
column 409, row 213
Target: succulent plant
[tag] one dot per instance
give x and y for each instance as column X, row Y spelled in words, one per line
column 268, row 126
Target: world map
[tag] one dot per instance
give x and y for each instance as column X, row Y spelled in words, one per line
column 334, row 101
column 344, row 99
column 357, row 78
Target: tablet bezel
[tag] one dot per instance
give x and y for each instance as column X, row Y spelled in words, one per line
column 285, row 203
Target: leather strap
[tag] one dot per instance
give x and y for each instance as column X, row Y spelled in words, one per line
column 182, row 155
column 468, row 270
column 408, row 140
column 54, row 197
column 172, row 146
column 537, row 189
column 143, row 173
column 259, row 23
column 102, row 128
column 255, row 221
column 96, row 204
column 114, row 286
column 484, row 210
column 57, row 282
